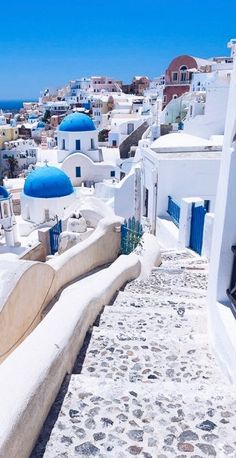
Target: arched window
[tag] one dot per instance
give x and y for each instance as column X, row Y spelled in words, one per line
column 130, row 128
column 183, row 73
column 5, row 210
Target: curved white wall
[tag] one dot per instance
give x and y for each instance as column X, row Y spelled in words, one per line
column 24, row 286
column 100, row 248
column 95, row 171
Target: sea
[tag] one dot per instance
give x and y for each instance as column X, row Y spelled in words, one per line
column 12, row 105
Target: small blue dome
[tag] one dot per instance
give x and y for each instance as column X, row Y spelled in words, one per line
column 4, row 194
column 48, row 182
column 77, row 122
column 40, row 125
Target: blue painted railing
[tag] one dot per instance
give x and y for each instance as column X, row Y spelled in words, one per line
column 173, row 210
column 131, row 233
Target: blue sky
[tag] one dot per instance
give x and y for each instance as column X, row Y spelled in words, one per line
column 46, row 43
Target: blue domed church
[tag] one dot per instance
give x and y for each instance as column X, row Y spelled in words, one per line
column 47, row 193
column 77, row 152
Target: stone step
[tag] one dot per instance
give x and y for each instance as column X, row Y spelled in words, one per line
column 164, row 300
column 177, row 255
column 180, row 322
column 188, row 263
column 105, row 419
column 181, row 292
column 177, row 281
column 133, row 357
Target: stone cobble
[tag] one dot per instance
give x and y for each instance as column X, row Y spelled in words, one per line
column 127, row 419
column 149, row 385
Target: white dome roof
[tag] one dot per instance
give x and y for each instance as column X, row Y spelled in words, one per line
column 180, row 141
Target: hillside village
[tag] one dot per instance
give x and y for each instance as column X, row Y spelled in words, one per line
column 118, row 267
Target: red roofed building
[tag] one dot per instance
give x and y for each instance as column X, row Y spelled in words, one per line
column 178, row 75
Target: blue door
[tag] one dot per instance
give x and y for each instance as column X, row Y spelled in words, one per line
column 197, row 226
column 54, row 236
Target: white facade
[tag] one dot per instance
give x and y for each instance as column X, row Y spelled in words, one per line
column 80, row 157
column 81, row 169
column 180, row 171
column 44, row 211
column 223, row 322
column 122, row 126
column 24, row 151
column 71, row 142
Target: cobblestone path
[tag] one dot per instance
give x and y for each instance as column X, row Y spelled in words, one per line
column 149, row 385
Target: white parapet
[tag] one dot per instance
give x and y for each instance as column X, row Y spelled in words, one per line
column 27, row 287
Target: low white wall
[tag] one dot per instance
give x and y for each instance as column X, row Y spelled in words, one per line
column 223, row 338
column 124, row 204
column 149, row 254
column 167, row 233
column 207, row 234
column 26, row 287
column 31, row 377
column 100, row 248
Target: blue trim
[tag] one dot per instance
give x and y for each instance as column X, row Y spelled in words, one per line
column 173, row 210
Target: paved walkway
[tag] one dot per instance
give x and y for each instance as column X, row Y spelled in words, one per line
column 149, row 385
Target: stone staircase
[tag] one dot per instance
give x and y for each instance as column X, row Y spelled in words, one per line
column 149, row 385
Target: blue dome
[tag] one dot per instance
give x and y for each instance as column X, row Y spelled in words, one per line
column 77, row 122
column 4, row 194
column 48, row 182
column 40, row 125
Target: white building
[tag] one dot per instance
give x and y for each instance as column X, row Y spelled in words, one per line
column 46, row 195
column 180, row 166
column 122, row 125
column 24, row 151
column 221, row 294
column 78, row 153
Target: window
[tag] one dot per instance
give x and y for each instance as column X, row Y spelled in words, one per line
column 114, row 143
column 113, row 174
column 78, row 172
column 63, row 144
column 174, row 96
column 5, row 210
column 77, row 145
column 183, row 73
column 174, row 76
column 92, row 144
column 130, row 128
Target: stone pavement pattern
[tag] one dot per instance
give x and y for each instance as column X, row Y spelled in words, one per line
column 149, row 385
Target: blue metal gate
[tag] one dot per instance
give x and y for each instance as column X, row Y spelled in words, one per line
column 54, row 235
column 131, row 233
column 197, row 226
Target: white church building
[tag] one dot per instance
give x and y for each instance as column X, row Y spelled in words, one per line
column 47, row 193
column 78, row 153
